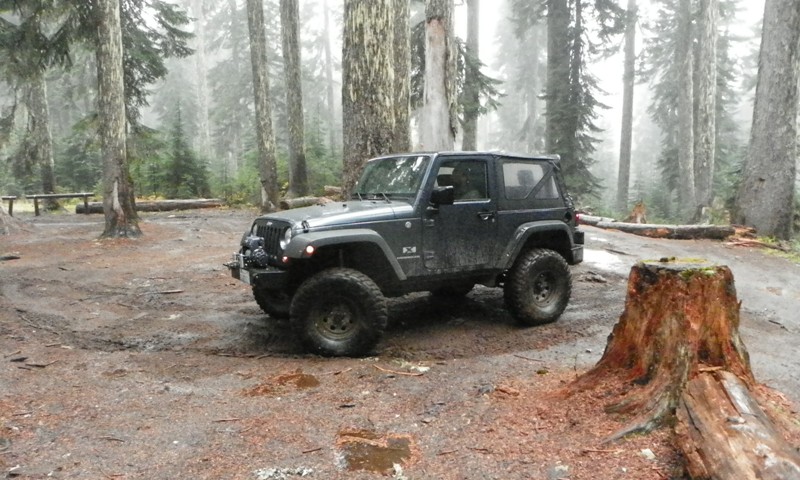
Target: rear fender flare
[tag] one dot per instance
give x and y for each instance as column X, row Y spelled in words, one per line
column 524, row 232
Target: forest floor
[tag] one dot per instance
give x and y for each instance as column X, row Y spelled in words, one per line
column 144, row 359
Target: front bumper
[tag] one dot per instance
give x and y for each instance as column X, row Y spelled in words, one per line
column 269, row 278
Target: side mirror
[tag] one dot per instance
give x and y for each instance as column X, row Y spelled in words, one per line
column 442, row 196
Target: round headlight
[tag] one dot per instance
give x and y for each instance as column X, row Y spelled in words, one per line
column 287, row 237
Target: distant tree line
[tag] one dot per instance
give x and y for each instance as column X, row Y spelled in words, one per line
column 244, row 100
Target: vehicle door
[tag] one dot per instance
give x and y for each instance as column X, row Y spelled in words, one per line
column 462, row 236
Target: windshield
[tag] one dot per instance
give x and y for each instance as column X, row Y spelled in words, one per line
column 392, row 177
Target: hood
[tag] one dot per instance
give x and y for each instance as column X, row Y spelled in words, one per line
column 352, row 212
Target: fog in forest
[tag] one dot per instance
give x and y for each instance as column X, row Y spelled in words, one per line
column 200, row 107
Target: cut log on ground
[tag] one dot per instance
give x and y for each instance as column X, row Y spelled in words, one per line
column 158, row 205
column 679, row 317
column 593, row 219
column 725, row 434
column 289, row 203
column 675, row 232
column 332, row 191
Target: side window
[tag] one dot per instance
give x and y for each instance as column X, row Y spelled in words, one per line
column 468, row 178
column 520, row 179
column 548, row 190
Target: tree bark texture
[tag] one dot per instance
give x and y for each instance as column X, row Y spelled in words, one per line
column 472, row 93
column 532, row 131
column 402, row 77
column 367, row 85
column 679, row 318
column 706, row 103
column 439, row 118
column 119, row 207
column 267, row 168
column 765, row 199
column 333, row 142
column 298, row 174
column 626, row 137
column 42, row 138
column 558, row 81
column 201, row 69
column 683, row 57
column 724, row 434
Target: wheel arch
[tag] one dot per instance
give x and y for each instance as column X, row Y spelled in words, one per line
column 553, row 235
column 361, row 249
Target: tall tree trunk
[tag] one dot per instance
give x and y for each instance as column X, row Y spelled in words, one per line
column 298, row 175
column 367, row 85
column 201, row 69
column 42, row 138
column 267, row 169
column 472, row 93
column 684, row 60
column 706, row 100
column 235, row 144
column 402, row 78
column 532, row 135
column 765, row 199
column 39, row 132
column 556, row 89
column 333, row 143
column 439, row 122
column 119, row 207
column 628, row 77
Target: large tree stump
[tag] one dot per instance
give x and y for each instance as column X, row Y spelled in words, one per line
column 676, row 348
column 680, row 317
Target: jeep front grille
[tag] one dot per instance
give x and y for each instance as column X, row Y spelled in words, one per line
column 271, row 233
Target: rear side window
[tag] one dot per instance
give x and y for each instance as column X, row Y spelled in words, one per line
column 520, row 179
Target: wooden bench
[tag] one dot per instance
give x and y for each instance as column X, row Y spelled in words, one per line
column 10, row 199
column 47, row 196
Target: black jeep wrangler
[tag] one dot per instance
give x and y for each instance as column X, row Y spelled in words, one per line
column 438, row 222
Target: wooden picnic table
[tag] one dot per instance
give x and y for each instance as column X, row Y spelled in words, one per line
column 46, row 196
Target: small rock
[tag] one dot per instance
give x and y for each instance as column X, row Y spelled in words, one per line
column 594, row 278
column 282, row 473
column 648, row 454
column 485, row 389
column 558, row 472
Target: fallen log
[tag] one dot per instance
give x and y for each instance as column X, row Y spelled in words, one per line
column 593, row 219
column 753, row 242
column 157, row 205
column 332, row 191
column 674, row 232
column 289, row 203
column 724, row 433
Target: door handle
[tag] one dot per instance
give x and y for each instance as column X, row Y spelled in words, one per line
column 486, row 215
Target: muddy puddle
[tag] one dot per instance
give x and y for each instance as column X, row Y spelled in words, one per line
column 369, row 451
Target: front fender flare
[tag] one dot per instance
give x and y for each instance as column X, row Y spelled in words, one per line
column 299, row 243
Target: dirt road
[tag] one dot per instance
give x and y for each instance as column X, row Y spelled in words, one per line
column 144, row 359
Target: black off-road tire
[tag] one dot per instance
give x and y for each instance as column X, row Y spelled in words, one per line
column 538, row 287
column 275, row 303
column 339, row 312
